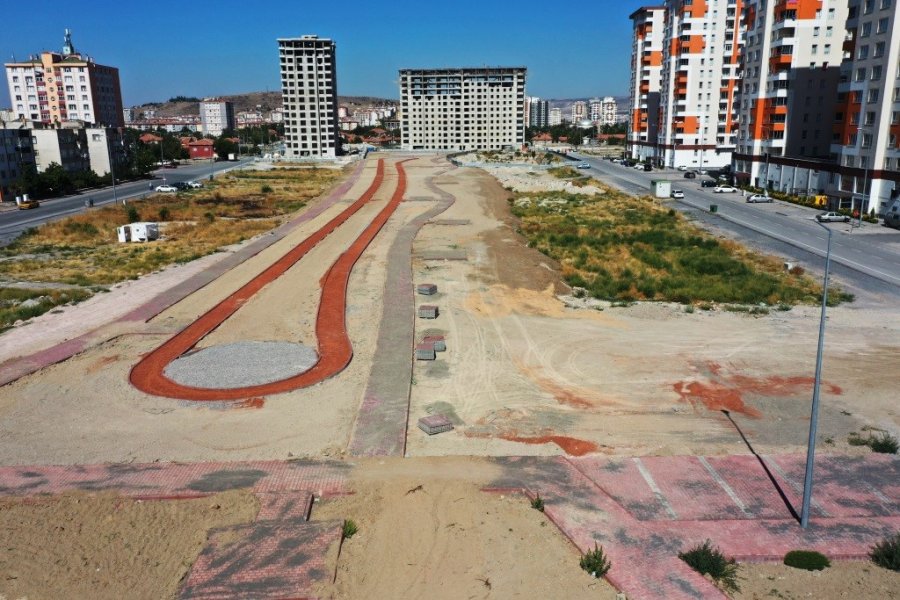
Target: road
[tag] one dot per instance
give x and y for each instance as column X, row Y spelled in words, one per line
column 867, row 256
column 13, row 222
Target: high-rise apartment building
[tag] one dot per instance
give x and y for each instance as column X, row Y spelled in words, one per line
column 216, row 116
column 866, row 131
column 594, row 108
column 309, row 96
column 646, row 71
column 65, row 86
column 608, row 109
column 555, row 117
column 791, row 65
column 16, row 156
column 538, row 112
column 462, row 109
column 579, row 111
column 700, row 70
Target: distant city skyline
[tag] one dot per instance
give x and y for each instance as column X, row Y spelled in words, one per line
column 195, row 49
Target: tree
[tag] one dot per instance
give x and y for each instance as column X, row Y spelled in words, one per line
column 223, row 147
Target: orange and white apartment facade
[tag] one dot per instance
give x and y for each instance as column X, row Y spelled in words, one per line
column 68, row 86
column 646, row 67
column 699, row 50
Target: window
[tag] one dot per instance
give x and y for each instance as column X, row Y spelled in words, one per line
column 872, row 95
column 868, row 6
column 861, row 74
column 866, row 30
column 862, row 53
column 876, row 73
column 882, row 25
column 879, row 50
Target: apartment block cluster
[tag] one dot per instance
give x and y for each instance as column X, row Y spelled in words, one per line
column 594, row 112
column 66, row 109
column 216, row 115
column 799, row 96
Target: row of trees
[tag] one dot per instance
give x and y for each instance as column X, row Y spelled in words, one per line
column 573, row 134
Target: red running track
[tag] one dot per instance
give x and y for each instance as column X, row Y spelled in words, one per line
column 333, row 343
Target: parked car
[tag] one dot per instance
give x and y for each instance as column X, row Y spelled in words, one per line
column 708, row 183
column 584, row 165
column 830, row 217
column 759, row 198
column 722, row 189
column 180, row 185
column 639, row 166
column 690, row 175
column 195, row 185
column 677, row 194
column 166, row 188
column 648, row 167
column 682, row 168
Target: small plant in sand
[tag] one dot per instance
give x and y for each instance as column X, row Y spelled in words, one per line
column 886, row 553
column 708, row 560
column 537, row 503
column 808, row 560
column 349, row 529
column 595, row 562
column 884, row 443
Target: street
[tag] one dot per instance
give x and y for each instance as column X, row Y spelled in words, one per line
column 13, row 222
column 867, row 257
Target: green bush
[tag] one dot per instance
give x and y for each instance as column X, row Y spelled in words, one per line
column 349, row 529
column 884, row 443
column 808, row 560
column 164, row 214
column 707, row 560
column 595, row 562
column 266, row 189
column 886, row 553
column 538, row 503
column 132, row 214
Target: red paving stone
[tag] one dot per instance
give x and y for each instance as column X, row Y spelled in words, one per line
column 333, row 343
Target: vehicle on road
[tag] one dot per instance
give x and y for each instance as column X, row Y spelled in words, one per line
column 638, row 166
column 27, row 203
column 759, row 198
column 180, row 185
column 832, row 217
column 708, row 183
column 648, row 167
column 169, row 189
column 677, row 194
column 690, row 175
column 194, row 185
column 682, row 168
column 584, row 165
column 724, row 189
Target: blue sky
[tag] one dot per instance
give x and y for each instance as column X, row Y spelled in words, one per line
column 205, row 47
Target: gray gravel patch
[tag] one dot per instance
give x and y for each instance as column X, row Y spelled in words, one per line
column 241, row 364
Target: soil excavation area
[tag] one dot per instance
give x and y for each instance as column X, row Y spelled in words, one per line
column 528, row 370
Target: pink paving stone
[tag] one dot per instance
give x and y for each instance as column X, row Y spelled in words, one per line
column 280, row 505
column 690, row 489
column 266, row 559
column 747, row 477
column 621, row 479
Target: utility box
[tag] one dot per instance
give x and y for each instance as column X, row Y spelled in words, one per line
column 138, row 232
column 661, row 188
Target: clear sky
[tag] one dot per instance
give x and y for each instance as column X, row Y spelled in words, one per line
column 209, row 47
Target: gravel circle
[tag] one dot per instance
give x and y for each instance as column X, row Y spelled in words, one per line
column 241, row 364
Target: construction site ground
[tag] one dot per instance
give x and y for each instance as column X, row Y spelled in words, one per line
column 615, row 417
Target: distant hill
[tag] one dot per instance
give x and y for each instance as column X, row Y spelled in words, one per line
column 249, row 101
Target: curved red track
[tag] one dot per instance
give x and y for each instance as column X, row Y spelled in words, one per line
column 333, row 343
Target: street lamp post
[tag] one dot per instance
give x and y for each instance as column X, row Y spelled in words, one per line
column 814, row 416
column 112, row 169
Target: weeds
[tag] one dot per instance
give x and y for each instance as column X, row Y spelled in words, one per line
column 537, row 503
column 707, row 560
column 349, row 529
column 883, row 442
column 886, row 553
column 595, row 562
column 808, row 560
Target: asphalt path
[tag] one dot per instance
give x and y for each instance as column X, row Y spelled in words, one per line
column 13, row 222
column 868, row 257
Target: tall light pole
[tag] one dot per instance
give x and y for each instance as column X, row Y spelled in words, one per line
column 112, row 166
column 814, row 416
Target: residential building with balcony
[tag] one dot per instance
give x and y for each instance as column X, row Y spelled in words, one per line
column 866, row 127
column 55, row 87
column 555, row 117
column 16, row 155
column 538, row 111
column 216, row 116
column 462, row 109
column 646, row 72
column 608, row 109
column 787, row 95
column 579, row 111
column 309, row 97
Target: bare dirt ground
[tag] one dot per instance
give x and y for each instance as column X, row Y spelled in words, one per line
column 523, row 374
column 846, row 579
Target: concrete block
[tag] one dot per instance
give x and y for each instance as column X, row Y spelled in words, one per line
column 426, row 289
column 428, row 311
column 433, row 424
column 425, row 351
column 437, row 341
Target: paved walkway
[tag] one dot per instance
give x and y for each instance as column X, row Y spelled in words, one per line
column 382, row 420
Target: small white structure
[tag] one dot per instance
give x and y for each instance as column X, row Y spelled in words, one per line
column 138, row 232
column 661, row 188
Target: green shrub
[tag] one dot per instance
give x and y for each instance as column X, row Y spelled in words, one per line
column 538, row 503
column 595, row 562
column 707, row 560
column 886, row 553
column 266, row 189
column 164, row 214
column 808, row 560
column 349, row 529
column 884, row 443
column 132, row 214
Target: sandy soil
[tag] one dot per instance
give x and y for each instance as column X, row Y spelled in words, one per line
column 88, row 546
column 523, row 374
column 843, row 579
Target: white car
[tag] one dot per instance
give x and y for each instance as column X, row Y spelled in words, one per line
column 832, row 217
column 677, row 194
column 721, row 189
column 194, row 185
column 682, row 167
column 166, row 188
column 584, row 165
column 759, row 198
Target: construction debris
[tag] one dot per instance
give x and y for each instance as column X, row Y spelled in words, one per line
column 425, row 351
column 426, row 289
column 428, row 311
column 437, row 341
column 433, row 424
